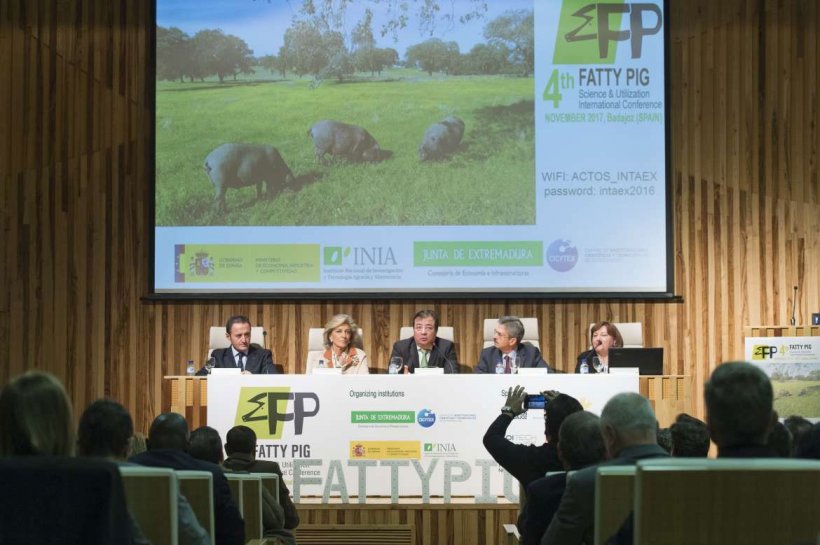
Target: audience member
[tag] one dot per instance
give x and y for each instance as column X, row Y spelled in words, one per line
column 167, row 443
column 739, row 410
column 425, row 348
column 798, row 426
column 629, row 431
column 205, row 444
column 250, row 358
column 529, row 462
column 241, row 448
column 690, row 437
column 809, row 446
column 580, row 444
column 35, row 417
column 508, row 351
column 105, row 431
column 665, row 439
column 780, row 440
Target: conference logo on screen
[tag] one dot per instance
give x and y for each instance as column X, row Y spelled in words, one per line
column 562, row 255
column 268, row 410
column 426, row 418
column 588, row 32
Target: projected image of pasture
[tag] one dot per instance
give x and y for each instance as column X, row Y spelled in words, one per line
column 428, row 114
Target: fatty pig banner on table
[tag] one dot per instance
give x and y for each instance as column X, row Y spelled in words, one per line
column 343, row 436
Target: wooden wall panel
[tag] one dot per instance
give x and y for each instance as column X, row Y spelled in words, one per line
column 75, row 206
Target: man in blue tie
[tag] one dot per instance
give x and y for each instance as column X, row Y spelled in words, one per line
column 252, row 359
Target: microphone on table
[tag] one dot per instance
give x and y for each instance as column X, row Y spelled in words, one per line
column 794, row 306
column 447, row 362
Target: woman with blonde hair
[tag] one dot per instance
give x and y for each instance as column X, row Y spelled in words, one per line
column 35, row 417
column 340, row 335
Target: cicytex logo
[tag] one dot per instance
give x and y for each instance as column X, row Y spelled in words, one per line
column 587, row 29
column 266, row 410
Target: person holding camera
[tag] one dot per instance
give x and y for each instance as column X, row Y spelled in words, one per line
column 529, row 462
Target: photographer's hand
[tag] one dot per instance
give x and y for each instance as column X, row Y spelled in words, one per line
column 515, row 401
column 549, row 395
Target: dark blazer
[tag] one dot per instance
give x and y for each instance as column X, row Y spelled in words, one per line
column 528, row 356
column 587, row 355
column 244, row 462
column 524, row 462
column 574, row 522
column 260, row 360
column 443, row 354
column 228, row 525
column 543, row 499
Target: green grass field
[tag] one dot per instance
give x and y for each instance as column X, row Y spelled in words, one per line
column 490, row 181
column 801, row 397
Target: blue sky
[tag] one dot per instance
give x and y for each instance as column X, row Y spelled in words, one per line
column 262, row 25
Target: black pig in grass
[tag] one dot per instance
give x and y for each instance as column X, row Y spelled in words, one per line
column 240, row 165
column 343, row 140
column 441, row 139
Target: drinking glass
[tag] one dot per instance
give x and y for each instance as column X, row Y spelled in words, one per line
column 514, row 365
column 210, row 364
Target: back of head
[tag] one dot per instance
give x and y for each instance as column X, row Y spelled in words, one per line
column 739, row 400
column 205, row 444
column 780, row 440
column 690, row 437
column 809, row 446
column 580, row 443
column 798, row 427
column 240, row 440
column 664, row 438
column 628, row 420
column 35, row 417
column 168, row 431
column 557, row 410
column 105, row 430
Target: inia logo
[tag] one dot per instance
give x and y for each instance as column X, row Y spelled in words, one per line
column 561, row 255
column 374, row 255
column 599, row 24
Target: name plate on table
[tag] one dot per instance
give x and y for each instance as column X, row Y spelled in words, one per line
column 625, row 371
column 326, row 371
column 532, row 371
column 225, row 371
column 429, row 371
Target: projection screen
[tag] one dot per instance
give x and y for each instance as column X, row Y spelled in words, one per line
column 442, row 147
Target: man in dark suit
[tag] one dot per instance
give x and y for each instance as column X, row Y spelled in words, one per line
column 240, row 445
column 251, row 358
column 580, row 445
column 508, row 350
column 167, row 442
column 740, row 411
column 424, row 348
column 629, row 429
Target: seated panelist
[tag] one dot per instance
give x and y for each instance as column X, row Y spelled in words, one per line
column 424, row 348
column 338, row 337
column 508, row 352
column 602, row 336
column 251, row 358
